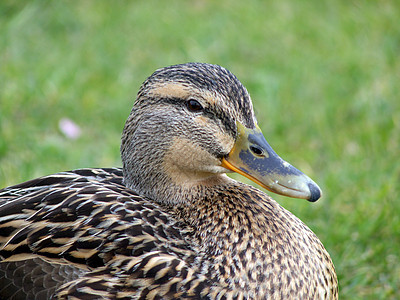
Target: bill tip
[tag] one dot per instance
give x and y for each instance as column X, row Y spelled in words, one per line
column 315, row 192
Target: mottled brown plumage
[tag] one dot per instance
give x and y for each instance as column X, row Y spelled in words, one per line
column 170, row 224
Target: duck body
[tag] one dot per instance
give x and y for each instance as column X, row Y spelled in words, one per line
column 163, row 227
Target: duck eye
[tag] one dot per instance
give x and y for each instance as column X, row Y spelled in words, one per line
column 194, row 105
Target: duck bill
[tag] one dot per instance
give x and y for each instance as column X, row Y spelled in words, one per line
column 252, row 157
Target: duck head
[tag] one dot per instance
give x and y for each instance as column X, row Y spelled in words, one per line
column 191, row 124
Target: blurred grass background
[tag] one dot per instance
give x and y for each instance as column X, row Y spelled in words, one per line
column 324, row 77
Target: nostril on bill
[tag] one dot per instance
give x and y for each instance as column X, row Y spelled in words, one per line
column 256, row 150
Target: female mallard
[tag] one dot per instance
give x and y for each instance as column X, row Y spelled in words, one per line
column 170, row 224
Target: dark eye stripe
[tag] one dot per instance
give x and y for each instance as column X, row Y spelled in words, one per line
column 213, row 114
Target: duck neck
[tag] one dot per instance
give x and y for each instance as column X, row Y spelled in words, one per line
column 252, row 244
column 226, row 217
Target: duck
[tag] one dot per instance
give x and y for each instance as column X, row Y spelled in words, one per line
column 169, row 224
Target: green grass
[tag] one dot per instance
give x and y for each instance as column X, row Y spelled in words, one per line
column 324, row 77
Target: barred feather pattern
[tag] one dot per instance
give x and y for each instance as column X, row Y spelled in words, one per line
column 114, row 244
column 34, row 279
column 87, row 218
